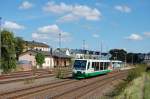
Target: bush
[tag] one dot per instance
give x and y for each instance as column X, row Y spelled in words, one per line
column 136, row 72
column 61, row 73
column 132, row 74
column 29, row 80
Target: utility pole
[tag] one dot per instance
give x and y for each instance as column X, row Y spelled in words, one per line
column 83, row 48
column 132, row 59
column 101, row 50
column 59, row 49
column 0, row 23
column 116, row 55
column 125, row 59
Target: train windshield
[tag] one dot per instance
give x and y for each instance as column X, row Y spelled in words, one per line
column 80, row 64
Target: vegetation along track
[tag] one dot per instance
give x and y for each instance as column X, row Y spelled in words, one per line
column 35, row 89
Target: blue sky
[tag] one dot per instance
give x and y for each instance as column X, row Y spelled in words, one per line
column 112, row 23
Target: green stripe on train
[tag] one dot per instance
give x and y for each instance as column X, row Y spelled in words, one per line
column 86, row 75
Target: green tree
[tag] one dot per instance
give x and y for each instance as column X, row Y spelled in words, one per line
column 40, row 59
column 19, row 46
column 8, row 54
column 118, row 54
column 134, row 58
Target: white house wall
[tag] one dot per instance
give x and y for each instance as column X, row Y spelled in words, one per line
column 49, row 63
column 28, row 57
column 42, row 48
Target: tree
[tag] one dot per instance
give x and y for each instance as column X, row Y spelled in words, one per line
column 40, row 59
column 19, row 46
column 134, row 58
column 118, row 54
column 8, row 54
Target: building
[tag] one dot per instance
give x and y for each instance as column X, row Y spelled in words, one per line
column 30, row 57
column 52, row 59
column 61, row 59
column 33, row 45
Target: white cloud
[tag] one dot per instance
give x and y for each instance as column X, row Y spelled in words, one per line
column 134, row 37
column 26, row 5
column 147, row 34
column 39, row 36
column 123, row 8
column 59, row 9
column 49, row 29
column 73, row 12
column 68, row 18
column 95, row 35
column 12, row 25
column 51, row 32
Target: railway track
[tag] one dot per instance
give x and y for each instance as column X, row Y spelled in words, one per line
column 23, row 92
column 78, row 92
column 23, row 74
column 56, row 85
column 20, row 76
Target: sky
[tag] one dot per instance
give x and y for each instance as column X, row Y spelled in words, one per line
column 121, row 24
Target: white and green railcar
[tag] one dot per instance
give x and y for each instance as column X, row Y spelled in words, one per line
column 84, row 68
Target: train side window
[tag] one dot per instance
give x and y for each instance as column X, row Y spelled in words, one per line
column 101, row 66
column 105, row 65
column 93, row 64
column 97, row 66
column 88, row 65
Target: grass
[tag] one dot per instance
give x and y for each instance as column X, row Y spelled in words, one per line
column 147, row 86
column 29, row 80
column 137, row 88
column 62, row 72
column 133, row 86
column 133, row 90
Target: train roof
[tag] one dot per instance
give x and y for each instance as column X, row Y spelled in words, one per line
column 96, row 60
column 116, row 61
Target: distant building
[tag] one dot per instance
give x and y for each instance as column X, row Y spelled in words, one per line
column 65, row 51
column 33, row 45
column 147, row 58
column 88, row 54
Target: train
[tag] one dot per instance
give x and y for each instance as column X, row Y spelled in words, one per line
column 85, row 68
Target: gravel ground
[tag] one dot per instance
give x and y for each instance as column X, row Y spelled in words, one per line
column 22, row 84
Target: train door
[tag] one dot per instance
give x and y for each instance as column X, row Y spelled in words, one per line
column 90, row 67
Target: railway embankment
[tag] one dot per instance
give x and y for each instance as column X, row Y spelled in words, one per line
column 135, row 86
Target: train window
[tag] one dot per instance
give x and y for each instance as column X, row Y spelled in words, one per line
column 93, row 64
column 101, row 66
column 80, row 64
column 88, row 65
column 97, row 66
column 106, row 65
